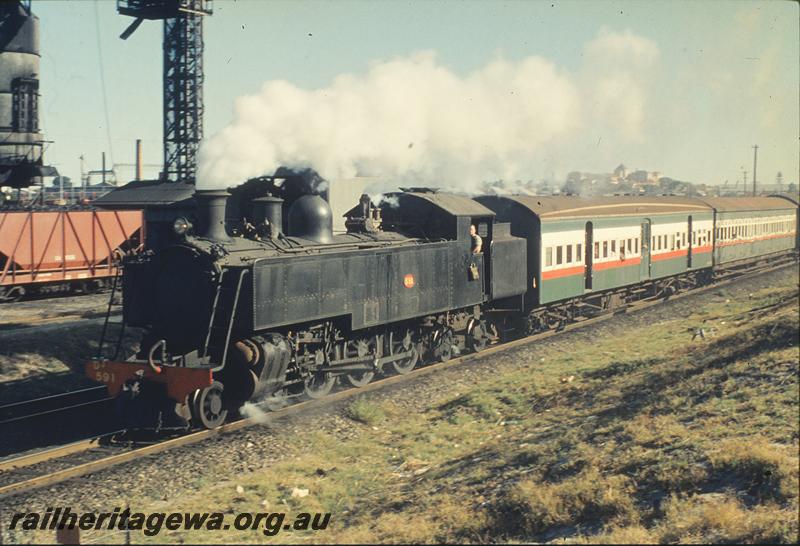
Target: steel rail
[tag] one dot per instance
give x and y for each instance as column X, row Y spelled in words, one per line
column 7, row 465
column 55, row 403
column 195, row 437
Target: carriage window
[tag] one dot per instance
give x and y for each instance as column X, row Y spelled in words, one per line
column 569, row 254
column 613, row 247
column 605, row 249
column 630, row 245
column 578, row 254
column 596, row 250
column 548, row 256
column 636, row 245
column 672, row 242
column 559, row 256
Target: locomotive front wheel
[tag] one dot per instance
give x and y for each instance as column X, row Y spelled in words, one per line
column 209, row 407
column 319, row 385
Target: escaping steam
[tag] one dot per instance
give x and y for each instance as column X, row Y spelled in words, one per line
column 251, row 411
column 413, row 120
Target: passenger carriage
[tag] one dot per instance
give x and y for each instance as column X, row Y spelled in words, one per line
column 752, row 227
column 578, row 246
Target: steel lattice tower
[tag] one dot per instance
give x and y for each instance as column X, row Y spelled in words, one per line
column 183, row 77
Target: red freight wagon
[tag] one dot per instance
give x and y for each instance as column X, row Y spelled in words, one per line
column 60, row 250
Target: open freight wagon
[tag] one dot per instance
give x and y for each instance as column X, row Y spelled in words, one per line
column 44, row 251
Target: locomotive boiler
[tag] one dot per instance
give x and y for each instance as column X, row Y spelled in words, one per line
column 261, row 300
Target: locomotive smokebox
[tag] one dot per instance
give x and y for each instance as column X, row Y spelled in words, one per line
column 311, row 218
column 271, row 209
column 211, row 213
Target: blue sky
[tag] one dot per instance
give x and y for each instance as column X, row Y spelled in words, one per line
column 708, row 79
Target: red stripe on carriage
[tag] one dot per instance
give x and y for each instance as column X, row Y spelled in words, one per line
column 566, row 272
column 635, row 260
column 669, row 255
column 580, row 270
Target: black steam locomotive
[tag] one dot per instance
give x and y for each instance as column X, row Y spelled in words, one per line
column 262, row 301
column 272, row 307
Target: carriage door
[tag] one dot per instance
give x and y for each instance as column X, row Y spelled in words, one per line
column 644, row 264
column 691, row 243
column 588, row 257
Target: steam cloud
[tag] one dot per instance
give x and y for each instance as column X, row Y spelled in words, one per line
column 412, row 120
column 251, row 411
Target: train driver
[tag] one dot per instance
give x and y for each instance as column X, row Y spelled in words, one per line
column 477, row 242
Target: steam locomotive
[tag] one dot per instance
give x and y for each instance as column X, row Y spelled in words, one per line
column 260, row 300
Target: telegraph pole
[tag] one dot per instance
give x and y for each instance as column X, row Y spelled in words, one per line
column 755, row 161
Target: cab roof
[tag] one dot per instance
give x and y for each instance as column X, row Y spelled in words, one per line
column 450, row 203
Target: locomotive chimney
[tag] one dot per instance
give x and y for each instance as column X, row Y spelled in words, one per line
column 271, row 209
column 211, row 213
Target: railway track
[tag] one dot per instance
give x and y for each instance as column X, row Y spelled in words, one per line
column 24, row 474
column 50, row 324
column 47, row 405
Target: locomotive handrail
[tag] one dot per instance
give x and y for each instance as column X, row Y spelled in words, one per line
column 160, row 343
column 242, row 275
column 214, row 309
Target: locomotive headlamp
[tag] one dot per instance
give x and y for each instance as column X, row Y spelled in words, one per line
column 181, row 226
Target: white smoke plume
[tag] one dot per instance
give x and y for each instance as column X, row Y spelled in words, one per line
column 413, row 120
column 251, row 411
